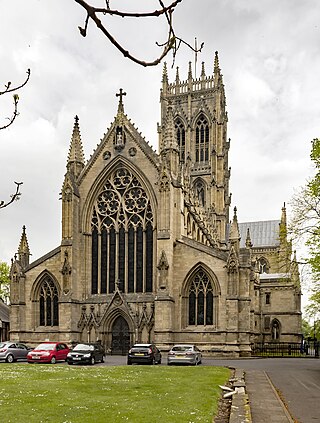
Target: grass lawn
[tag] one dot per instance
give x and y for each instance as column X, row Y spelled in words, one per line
column 60, row 393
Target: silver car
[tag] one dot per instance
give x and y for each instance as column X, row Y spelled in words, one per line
column 184, row 354
column 13, row 351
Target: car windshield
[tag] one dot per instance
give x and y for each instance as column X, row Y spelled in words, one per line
column 182, row 348
column 46, row 347
column 83, row 347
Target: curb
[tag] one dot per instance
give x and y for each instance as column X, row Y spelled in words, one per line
column 240, row 406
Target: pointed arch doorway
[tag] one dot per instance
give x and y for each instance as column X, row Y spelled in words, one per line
column 120, row 337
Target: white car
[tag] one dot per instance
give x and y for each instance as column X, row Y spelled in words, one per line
column 184, row 354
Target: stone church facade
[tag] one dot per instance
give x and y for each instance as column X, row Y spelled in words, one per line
column 148, row 252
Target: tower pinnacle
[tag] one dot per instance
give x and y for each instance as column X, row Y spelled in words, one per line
column 75, row 157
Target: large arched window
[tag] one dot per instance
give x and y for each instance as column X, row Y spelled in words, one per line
column 48, row 300
column 181, row 138
column 122, row 236
column 202, row 140
column 201, row 300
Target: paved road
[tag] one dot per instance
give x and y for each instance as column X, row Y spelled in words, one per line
column 297, row 379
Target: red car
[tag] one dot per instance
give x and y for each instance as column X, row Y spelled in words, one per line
column 48, row 352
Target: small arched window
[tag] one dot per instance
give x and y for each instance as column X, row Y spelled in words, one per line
column 181, row 138
column 48, row 301
column 202, row 140
column 275, row 330
column 263, row 265
column 201, row 300
column 199, row 188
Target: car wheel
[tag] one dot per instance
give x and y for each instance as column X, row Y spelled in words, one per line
column 10, row 358
column 129, row 363
column 70, row 363
column 92, row 361
column 53, row 360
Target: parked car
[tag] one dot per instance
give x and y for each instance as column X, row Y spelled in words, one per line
column 89, row 353
column 48, row 352
column 13, row 351
column 144, row 353
column 184, row 354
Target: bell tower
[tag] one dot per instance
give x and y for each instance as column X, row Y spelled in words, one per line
column 197, row 107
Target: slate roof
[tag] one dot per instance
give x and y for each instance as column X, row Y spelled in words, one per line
column 262, row 234
column 4, row 312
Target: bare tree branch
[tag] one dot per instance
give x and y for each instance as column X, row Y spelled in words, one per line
column 172, row 44
column 9, row 89
column 14, row 197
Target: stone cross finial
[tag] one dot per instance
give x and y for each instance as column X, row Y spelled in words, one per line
column 121, row 94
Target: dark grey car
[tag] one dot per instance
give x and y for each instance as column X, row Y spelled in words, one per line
column 86, row 353
column 144, row 354
column 13, row 351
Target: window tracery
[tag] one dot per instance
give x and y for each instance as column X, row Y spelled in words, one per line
column 48, row 303
column 202, row 140
column 122, row 236
column 201, row 300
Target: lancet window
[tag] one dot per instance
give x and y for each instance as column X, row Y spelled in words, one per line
column 48, row 301
column 201, row 300
column 122, row 236
column 181, row 138
column 199, row 188
column 202, row 140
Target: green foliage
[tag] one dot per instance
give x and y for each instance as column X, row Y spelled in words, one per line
column 305, row 225
column 4, row 281
column 62, row 393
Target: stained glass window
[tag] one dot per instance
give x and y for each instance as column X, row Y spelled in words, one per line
column 122, row 216
column 48, row 301
column 201, row 301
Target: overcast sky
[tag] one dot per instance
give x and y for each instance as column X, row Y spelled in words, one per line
column 270, row 59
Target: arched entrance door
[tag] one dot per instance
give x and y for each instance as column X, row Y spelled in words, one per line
column 120, row 337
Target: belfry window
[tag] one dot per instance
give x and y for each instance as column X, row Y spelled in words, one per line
column 201, row 300
column 202, row 140
column 122, row 241
column 181, row 139
column 49, row 311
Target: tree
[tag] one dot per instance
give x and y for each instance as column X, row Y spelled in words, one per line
column 4, row 282
column 172, row 44
column 305, row 226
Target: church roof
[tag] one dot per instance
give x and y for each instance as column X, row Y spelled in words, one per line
column 262, row 234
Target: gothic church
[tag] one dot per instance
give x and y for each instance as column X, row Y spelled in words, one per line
column 148, row 252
